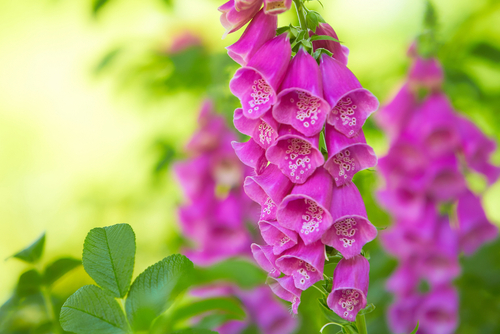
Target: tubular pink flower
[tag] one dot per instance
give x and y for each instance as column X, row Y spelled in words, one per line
column 300, row 101
column 403, row 201
column 295, row 155
column 284, row 287
column 351, row 228
column 266, row 259
column 245, row 4
column 351, row 103
column 347, row 156
column 350, row 287
column 475, row 228
column 277, row 6
column 305, row 210
column 251, row 154
column 438, row 311
column 263, row 131
column 477, row 149
column 304, row 263
column 260, row 30
column 232, row 19
column 339, row 51
column 401, row 314
column 277, row 236
column 426, row 72
column 445, row 181
column 256, row 84
column 393, row 117
column 268, row 189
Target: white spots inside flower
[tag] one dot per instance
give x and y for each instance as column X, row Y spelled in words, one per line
column 344, row 110
column 350, row 298
column 308, row 108
column 297, row 154
column 267, row 208
column 261, row 94
column 266, row 132
column 311, row 218
column 305, row 270
column 346, row 228
column 346, row 164
column 284, row 240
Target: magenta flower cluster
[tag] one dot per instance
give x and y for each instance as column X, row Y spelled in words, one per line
column 214, row 221
column 431, row 149
column 308, row 200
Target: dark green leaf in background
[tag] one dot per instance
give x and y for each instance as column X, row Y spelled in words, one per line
column 92, row 311
column 29, row 283
column 97, row 5
column 108, row 257
column 154, row 290
column 33, row 252
column 244, row 273
column 487, row 51
column 195, row 331
column 58, row 269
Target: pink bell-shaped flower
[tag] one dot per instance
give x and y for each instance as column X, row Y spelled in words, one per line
column 277, row 236
column 284, row 287
column 266, row 259
column 263, row 131
column 232, row 19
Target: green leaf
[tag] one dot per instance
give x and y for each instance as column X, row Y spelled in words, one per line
column 195, row 331
column 58, row 269
column 244, row 273
column 155, row 289
column 487, row 52
column 312, row 20
column 281, row 30
column 416, row 329
column 169, row 3
column 332, row 316
column 323, row 38
column 97, row 5
column 29, row 283
column 33, row 252
column 108, row 257
column 107, row 60
column 91, row 310
column 368, row 309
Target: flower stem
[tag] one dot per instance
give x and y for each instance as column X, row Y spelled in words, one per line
column 47, row 299
column 300, row 14
column 320, row 290
column 361, row 324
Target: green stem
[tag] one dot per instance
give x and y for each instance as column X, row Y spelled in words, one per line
column 320, row 290
column 361, row 324
column 300, row 14
column 50, row 308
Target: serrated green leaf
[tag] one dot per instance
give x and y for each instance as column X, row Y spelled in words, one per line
column 155, row 289
column 108, row 257
column 323, row 38
column 58, row 269
column 195, row 331
column 368, row 309
column 29, row 283
column 312, row 20
column 416, row 329
column 90, row 310
column 33, row 252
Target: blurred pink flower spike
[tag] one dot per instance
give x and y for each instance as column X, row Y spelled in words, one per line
column 305, row 210
column 477, row 149
column 277, row 236
column 251, row 154
column 245, row 4
column 232, row 19
column 264, row 130
column 475, row 228
column 300, row 102
column 195, row 188
column 426, row 72
column 277, row 6
column 266, row 259
column 284, row 288
column 351, row 103
column 401, row 314
column 259, row 31
column 446, row 182
column 404, row 280
column 350, row 286
column 347, row 156
column 257, row 83
column 295, row 155
column 304, row 263
column 340, row 52
column 439, row 260
column 438, row 311
column 184, row 41
column 393, row 117
column 351, row 228
column 268, row 189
